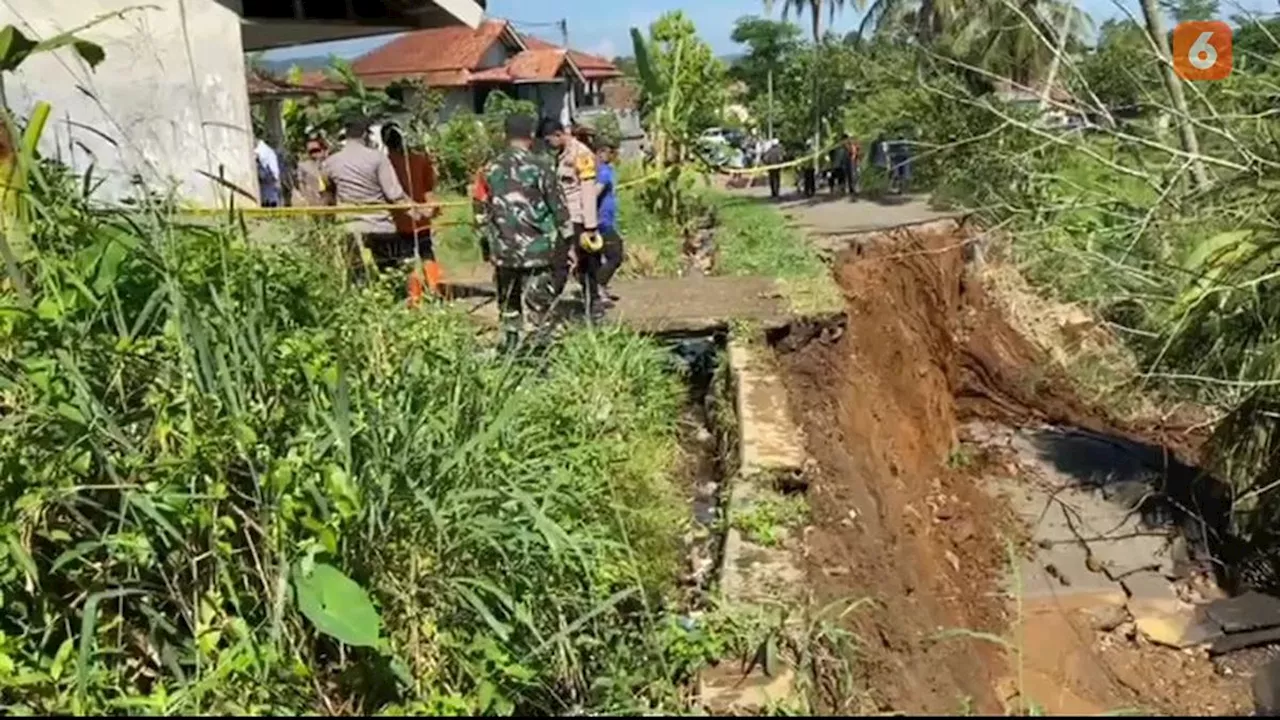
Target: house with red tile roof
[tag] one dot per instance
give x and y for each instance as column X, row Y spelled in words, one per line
column 468, row 65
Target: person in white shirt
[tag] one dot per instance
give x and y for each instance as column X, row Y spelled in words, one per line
column 268, row 174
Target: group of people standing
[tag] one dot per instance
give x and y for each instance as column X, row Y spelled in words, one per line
column 843, row 172
column 546, row 206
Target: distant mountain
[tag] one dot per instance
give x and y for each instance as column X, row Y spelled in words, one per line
column 280, row 67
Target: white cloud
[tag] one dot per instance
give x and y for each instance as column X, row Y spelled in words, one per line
column 605, row 48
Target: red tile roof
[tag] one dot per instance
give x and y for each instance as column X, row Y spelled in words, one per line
column 593, row 67
column 441, row 57
column 542, row 65
column 451, row 57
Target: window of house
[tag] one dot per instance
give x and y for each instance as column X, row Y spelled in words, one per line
column 589, row 95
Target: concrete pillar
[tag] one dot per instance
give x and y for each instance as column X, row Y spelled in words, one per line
column 169, row 101
column 273, row 112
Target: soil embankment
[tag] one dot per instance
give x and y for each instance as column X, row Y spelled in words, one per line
column 905, row 513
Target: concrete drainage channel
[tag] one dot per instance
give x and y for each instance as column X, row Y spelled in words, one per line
column 747, row 456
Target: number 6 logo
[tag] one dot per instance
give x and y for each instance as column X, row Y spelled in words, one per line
column 1202, row 50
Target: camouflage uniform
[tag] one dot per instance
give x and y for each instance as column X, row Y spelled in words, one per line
column 524, row 220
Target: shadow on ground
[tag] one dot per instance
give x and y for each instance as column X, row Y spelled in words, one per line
column 1146, row 479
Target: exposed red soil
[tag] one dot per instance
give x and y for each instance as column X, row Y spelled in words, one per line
column 923, row 351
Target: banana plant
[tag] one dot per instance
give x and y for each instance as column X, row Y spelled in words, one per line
column 664, row 110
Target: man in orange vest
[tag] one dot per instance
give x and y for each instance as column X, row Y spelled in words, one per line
column 418, row 178
column 479, row 198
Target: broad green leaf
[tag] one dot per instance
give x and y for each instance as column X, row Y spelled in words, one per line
column 643, row 66
column 60, row 659
column 14, row 47
column 91, row 53
column 1205, row 250
column 337, row 606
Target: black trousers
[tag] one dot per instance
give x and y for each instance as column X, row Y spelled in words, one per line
column 404, row 248
column 560, row 261
column 520, row 289
column 613, row 252
column 775, row 182
column 809, row 181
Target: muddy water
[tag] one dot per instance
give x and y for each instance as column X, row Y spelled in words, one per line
column 904, row 513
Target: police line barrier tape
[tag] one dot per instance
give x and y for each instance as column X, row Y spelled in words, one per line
column 307, row 210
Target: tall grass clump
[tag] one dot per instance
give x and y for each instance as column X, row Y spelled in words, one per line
column 233, row 484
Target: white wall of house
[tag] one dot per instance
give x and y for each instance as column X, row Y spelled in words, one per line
column 550, row 98
column 457, row 100
column 171, row 94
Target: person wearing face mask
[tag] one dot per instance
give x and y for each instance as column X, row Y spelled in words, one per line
column 309, row 188
column 575, row 168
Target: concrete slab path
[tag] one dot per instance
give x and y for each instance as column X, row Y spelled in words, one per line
column 661, row 305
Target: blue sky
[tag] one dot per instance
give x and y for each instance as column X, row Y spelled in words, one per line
column 601, row 26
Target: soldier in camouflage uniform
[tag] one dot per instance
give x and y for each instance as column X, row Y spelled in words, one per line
column 525, row 218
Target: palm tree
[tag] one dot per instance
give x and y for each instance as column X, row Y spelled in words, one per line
column 1017, row 39
column 814, row 8
column 925, row 20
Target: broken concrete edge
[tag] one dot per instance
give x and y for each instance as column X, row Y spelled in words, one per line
column 771, row 441
column 757, row 479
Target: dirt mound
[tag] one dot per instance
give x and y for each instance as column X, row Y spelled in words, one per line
column 898, row 513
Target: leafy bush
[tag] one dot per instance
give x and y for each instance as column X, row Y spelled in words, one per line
column 459, row 147
column 607, row 127
column 194, row 421
column 468, row 140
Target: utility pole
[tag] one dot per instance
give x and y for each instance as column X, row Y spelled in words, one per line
column 571, row 97
column 770, row 103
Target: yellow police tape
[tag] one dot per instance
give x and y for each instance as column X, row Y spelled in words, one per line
column 252, row 211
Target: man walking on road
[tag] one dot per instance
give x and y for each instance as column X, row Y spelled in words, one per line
column 576, row 171
column 772, row 157
column 839, row 167
column 359, row 175
column 853, row 168
column 524, row 220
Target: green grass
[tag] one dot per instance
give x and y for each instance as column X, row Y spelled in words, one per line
column 192, row 419
column 456, row 244
column 752, row 238
column 767, row 519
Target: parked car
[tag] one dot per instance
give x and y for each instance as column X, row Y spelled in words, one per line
column 714, row 135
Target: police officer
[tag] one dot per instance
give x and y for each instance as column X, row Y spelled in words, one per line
column 524, row 220
column 576, row 171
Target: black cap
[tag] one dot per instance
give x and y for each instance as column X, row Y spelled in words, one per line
column 518, row 127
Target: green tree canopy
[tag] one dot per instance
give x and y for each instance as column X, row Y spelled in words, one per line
column 769, row 45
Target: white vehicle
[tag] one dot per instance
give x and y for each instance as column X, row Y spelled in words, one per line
column 714, row 135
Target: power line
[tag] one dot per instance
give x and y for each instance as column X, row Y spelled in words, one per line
column 534, row 24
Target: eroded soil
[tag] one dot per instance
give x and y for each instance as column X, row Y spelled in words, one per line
column 900, row 516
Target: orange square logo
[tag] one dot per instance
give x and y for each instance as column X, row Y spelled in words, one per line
column 1202, row 50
